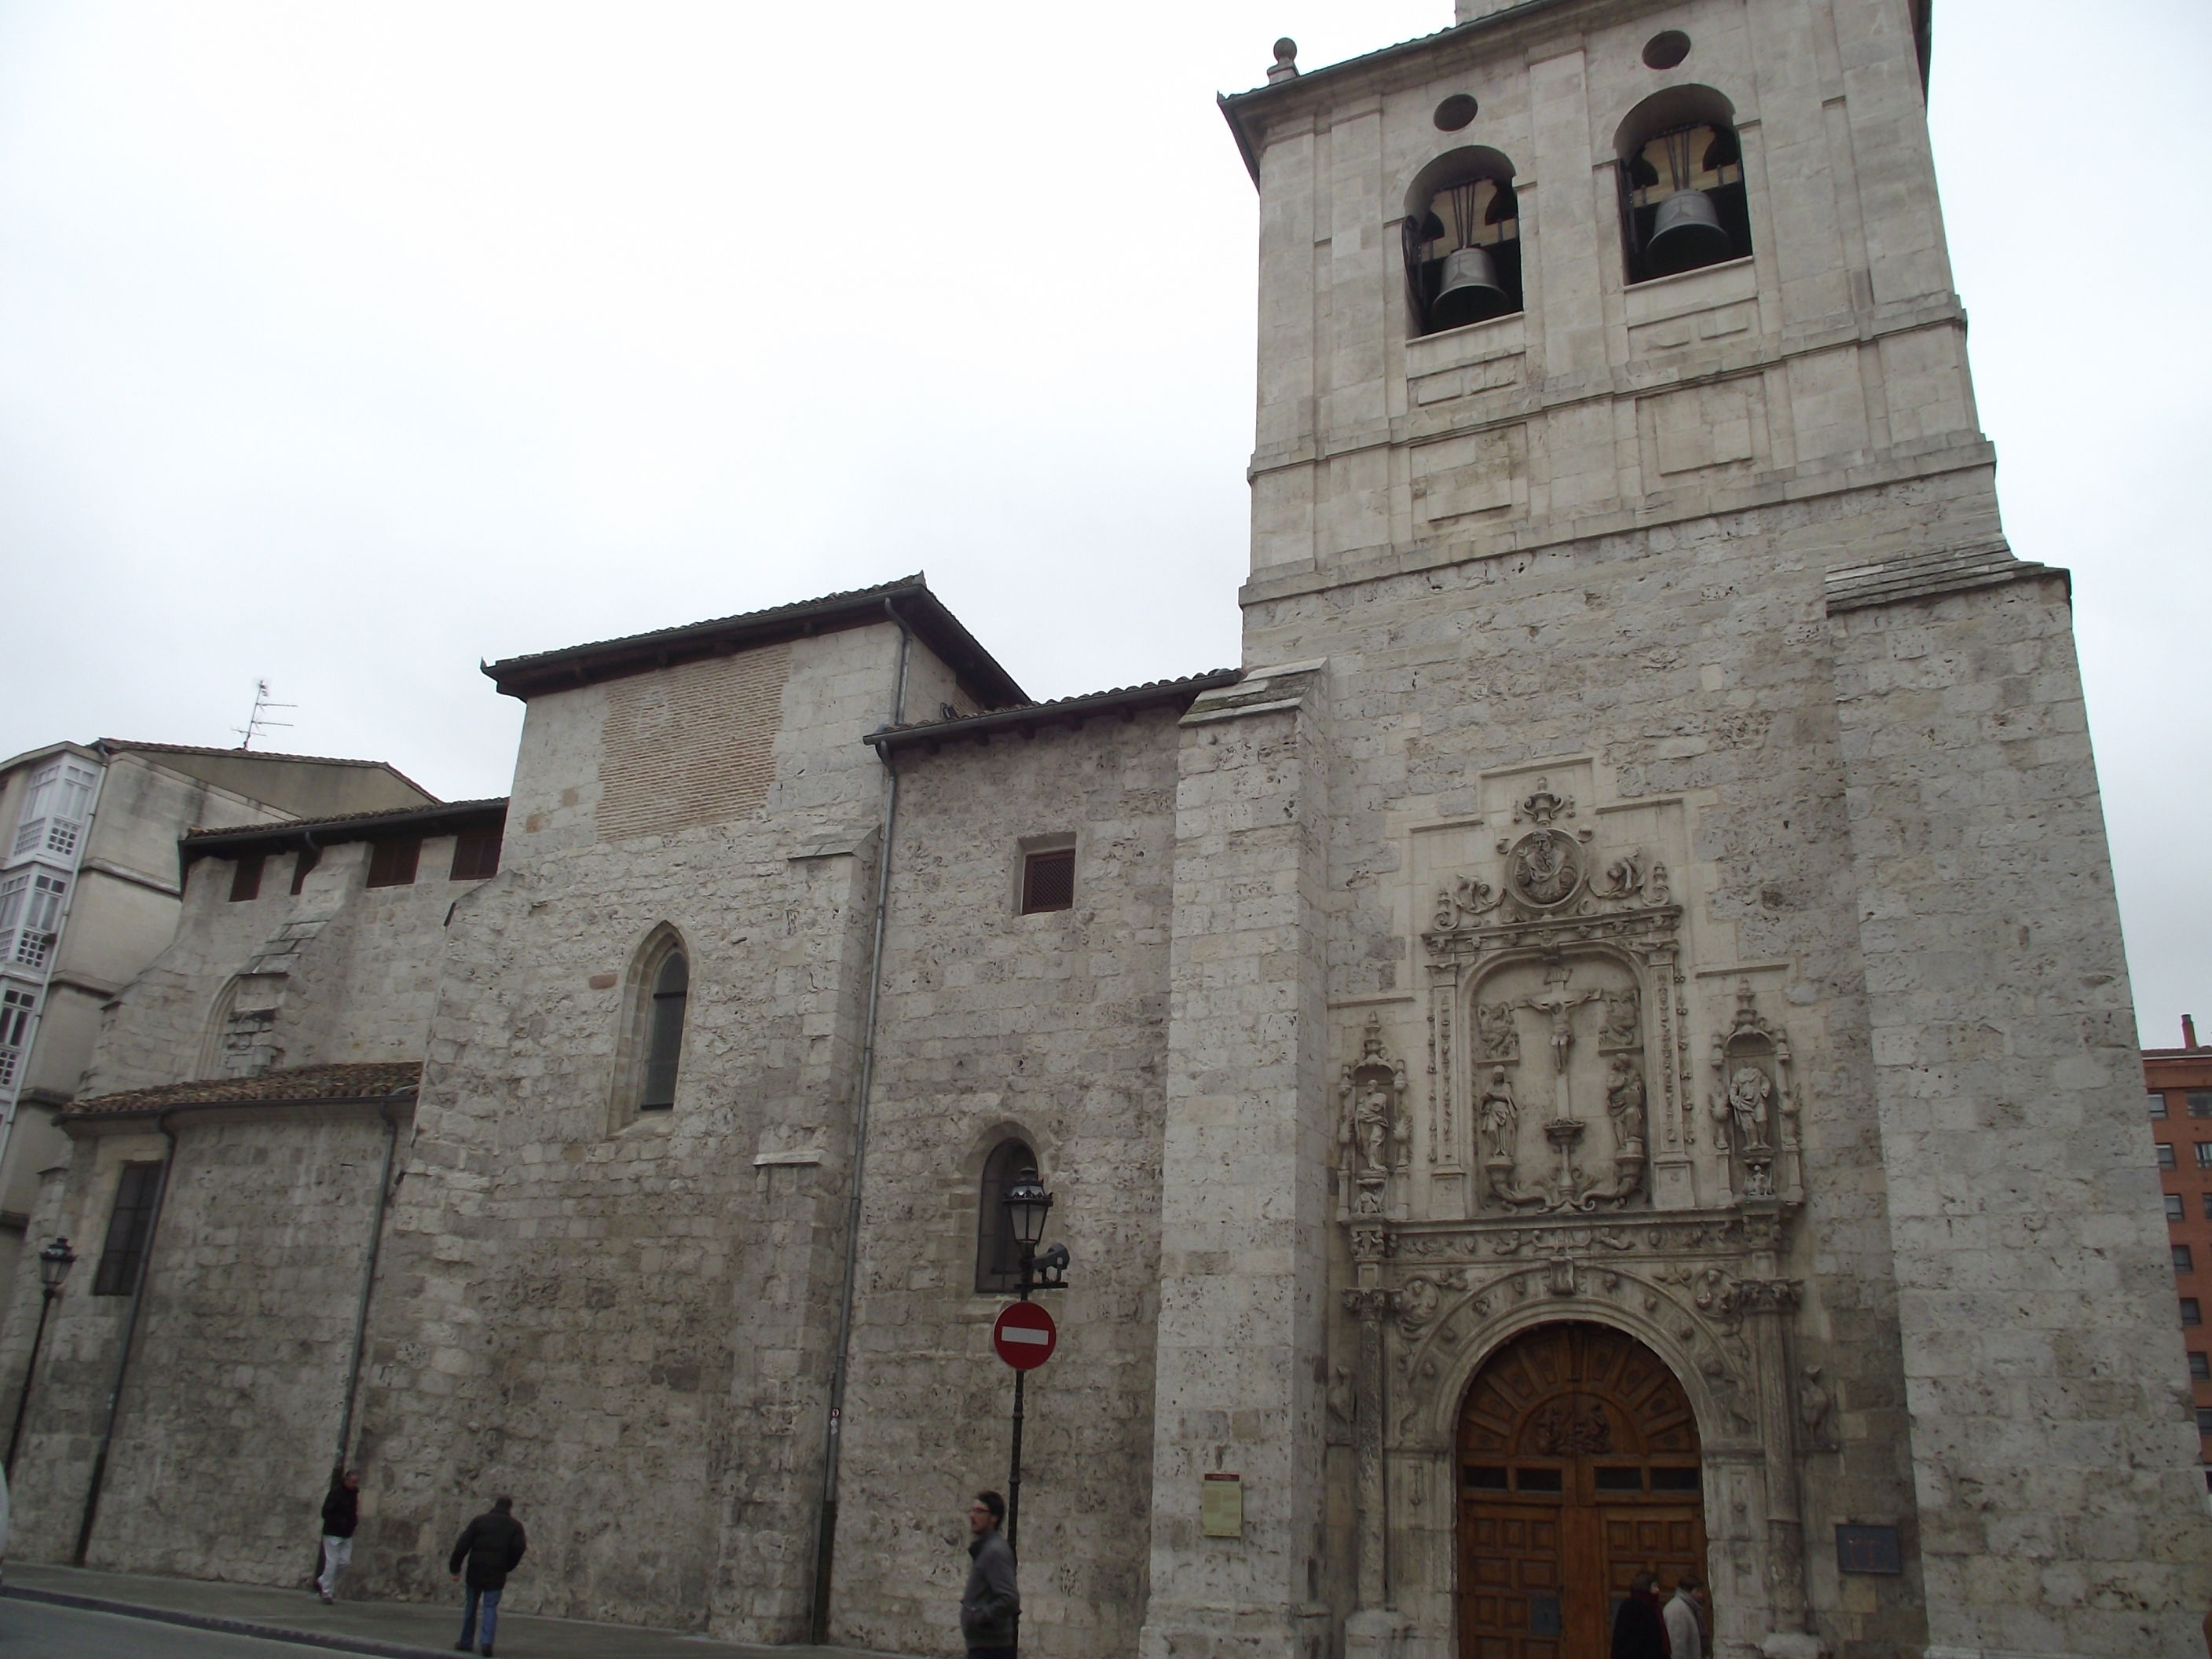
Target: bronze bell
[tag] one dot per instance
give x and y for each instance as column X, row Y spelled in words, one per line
column 1470, row 290
column 1685, row 233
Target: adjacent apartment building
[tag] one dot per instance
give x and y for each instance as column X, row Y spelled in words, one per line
column 2179, row 1081
column 90, row 889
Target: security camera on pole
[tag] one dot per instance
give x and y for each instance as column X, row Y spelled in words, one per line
column 1024, row 1335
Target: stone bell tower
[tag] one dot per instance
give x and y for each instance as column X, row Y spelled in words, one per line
column 1652, row 1081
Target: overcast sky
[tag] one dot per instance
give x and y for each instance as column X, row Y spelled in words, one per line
column 347, row 345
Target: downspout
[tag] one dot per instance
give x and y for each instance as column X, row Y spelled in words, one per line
column 825, row 1541
column 130, row 1336
column 368, row 1277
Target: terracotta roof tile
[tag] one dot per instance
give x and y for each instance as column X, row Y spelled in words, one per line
column 297, row 1085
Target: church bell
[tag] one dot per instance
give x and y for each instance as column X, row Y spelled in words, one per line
column 1470, row 290
column 1685, row 233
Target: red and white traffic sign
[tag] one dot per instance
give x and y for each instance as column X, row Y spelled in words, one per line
column 1024, row 1335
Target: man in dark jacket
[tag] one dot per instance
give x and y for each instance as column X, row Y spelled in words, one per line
column 1638, row 1632
column 990, row 1607
column 492, row 1545
column 341, row 1515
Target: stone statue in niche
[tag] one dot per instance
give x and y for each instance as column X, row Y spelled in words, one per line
column 1623, row 1025
column 1497, row 1119
column 1375, row 1133
column 1744, row 1109
column 1814, row 1404
column 1498, row 1116
column 1624, row 1104
column 1501, row 1040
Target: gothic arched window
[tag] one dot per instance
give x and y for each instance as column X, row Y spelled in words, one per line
column 1682, row 200
column 651, row 1045
column 997, row 1257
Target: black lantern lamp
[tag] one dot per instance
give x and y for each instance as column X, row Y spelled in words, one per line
column 1027, row 1205
column 54, row 1263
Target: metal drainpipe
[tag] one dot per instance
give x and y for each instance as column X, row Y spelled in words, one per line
column 825, row 1541
column 130, row 1336
column 368, row 1277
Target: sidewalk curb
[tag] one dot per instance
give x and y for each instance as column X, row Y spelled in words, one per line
column 229, row 1626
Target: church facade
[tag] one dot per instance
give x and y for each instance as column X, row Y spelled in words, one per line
column 1603, row 1045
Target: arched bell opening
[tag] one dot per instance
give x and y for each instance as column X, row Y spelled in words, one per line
column 1578, row 1466
column 1463, row 241
column 1682, row 198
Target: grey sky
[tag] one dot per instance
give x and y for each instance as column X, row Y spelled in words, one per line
column 347, row 345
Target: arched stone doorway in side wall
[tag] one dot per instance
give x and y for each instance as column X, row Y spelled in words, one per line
column 1578, row 1468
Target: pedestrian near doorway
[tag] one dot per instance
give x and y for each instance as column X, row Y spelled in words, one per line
column 490, row 1546
column 1685, row 1618
column 991, row 1606
column 1638, row 1632
column 341, row 1515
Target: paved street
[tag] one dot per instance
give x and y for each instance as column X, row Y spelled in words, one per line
column 30, row 1631
column 219, row 1618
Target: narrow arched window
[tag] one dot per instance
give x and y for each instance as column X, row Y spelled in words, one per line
column 997, row 1257
column 663, row 1042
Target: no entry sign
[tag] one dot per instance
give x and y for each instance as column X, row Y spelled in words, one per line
column 1024, row 1335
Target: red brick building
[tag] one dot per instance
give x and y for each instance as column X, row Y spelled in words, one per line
column 2180, row 1084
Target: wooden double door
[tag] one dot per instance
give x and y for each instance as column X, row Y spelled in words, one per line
column 1578, row 1468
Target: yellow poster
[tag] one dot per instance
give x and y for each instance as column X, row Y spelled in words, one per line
column 1221, row 1506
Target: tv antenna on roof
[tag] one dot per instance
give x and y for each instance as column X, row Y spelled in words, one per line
column 258, row 722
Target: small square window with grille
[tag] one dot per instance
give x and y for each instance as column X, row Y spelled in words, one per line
column 475, row 855
column 245, row 879
column 1049, row 881
column 2184, row 1262
column 2165, row 1156
column 392, row 863
column 2174, row 1210
column 304, row 866
column 2200, row 1366
column 2157, row 1105
column 2200, row 1104
column 2191, row 1313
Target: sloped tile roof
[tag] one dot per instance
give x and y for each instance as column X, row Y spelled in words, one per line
column 1030, row 716
column 350, row 826
column 979, row 673
column 298, row 1085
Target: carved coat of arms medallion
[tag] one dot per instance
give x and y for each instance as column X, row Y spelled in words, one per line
column 1544, row 867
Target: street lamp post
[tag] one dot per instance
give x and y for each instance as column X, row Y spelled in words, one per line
column 1027, row 1205
column 54, row 1263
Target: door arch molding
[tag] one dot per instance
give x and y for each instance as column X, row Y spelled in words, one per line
column 1433, row 1423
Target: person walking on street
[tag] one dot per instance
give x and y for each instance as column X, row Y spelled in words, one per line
column 492, row 1546
column 990, row 1607
column 1686, row 1619
column 341, row 1515
column 1637, row 1632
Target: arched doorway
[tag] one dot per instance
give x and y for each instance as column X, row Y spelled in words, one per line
column 1578, row 1468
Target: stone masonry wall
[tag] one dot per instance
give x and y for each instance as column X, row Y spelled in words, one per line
column 2060, row 1509
column 622, row 1318
column 1686, row 664
column 227, row 1425
column 1053, row 1027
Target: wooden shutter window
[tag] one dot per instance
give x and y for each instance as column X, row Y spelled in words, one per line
column 245, row 879
column 475, row 855
column 304, row 866
column 1049, row 881
column 125, row 1251
column 392, row 863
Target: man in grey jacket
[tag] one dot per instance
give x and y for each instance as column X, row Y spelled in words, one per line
column 990, row 1607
